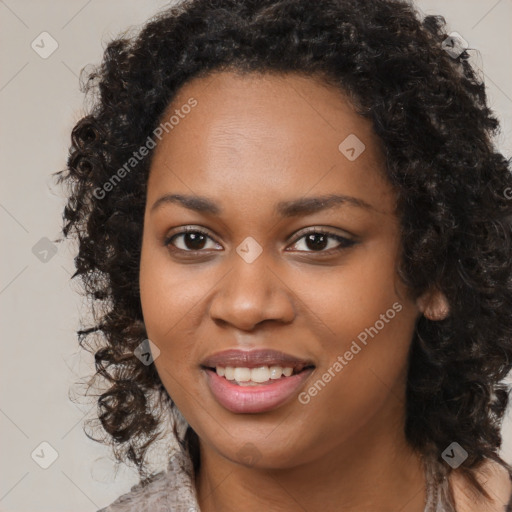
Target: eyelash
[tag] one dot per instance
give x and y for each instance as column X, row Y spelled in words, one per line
column 345, row 243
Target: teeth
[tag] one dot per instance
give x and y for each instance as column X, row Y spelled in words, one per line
column 242, row 374
column 261, row 374
column 252, row 376
column 275, row 372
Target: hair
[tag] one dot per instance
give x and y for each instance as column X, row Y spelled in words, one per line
column 430, row 111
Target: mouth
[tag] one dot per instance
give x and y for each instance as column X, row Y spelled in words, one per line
column 255, row 381
column 260, row 375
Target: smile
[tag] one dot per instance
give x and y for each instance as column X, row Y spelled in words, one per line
column 247, row 392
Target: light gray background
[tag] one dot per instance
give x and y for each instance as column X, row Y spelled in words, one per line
column 39, row 104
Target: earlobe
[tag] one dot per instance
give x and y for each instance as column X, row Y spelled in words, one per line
column 433, row 305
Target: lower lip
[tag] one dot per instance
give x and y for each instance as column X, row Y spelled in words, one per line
column 253, row 399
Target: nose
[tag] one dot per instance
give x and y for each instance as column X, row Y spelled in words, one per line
column 250, row 294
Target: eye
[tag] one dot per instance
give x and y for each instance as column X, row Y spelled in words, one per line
column 192, row 240
column 318, row 239
column 195, row 240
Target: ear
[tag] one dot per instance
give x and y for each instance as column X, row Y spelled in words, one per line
column 434, row 305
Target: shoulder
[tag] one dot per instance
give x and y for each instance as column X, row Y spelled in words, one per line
column 494, row 478
column 150, row 497
column 168, row 490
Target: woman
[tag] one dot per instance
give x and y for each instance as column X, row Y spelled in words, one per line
column 295, row 224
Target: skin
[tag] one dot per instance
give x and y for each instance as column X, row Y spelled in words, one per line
column 251, row 142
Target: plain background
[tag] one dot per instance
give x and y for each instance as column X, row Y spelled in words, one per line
column 39, row 103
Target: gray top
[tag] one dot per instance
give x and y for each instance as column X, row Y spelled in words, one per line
column 171, row 491
column 174, row 491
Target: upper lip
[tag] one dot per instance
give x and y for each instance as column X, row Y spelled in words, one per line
column 255, row 358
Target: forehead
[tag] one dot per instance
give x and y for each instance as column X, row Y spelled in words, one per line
column 269, row 136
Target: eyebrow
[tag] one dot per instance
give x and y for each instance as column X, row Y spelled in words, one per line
column 292, row 208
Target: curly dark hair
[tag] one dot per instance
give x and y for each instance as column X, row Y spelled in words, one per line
column 429, row 109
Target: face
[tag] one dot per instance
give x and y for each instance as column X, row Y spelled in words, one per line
column 265, row 266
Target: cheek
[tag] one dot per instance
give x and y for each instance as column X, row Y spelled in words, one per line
column 351, row 298
column 161, row 303
column 168, row 292
column 362, row 374
column 171, row 301
column 371, row 322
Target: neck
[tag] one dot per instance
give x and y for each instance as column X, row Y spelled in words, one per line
column 374, row 470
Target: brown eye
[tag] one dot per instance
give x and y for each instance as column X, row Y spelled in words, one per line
column 318, row 240
column 189, row 240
